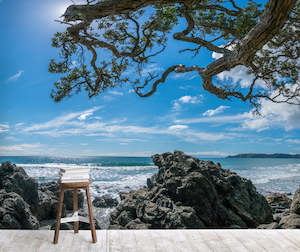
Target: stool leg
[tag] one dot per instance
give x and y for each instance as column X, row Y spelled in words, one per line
column 87, row 190
column 61, row 198
column 75, row 208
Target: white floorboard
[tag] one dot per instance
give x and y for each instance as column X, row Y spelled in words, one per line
column 197, row 240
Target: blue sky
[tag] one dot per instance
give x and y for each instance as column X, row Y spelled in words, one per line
column 181, row 115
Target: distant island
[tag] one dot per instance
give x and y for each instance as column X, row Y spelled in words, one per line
column 256, row 155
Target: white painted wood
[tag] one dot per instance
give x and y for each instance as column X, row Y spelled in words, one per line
column 180, row 241
column 152, row 241
column 113, row 237
column 75, row 217
column 290, row 243
column 264, row 241
column 166, row 241
column 195, row 241
column 248, row 241
column 212, row 240
column 145, row 240
column 230, row 241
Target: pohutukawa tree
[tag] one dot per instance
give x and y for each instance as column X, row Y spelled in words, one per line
column 105, row 40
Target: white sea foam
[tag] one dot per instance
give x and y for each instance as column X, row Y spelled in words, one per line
column 277, row 178
column 106, row 179
column 263, row 174
column 56, row 165
column 89, row 165
column 125, row 184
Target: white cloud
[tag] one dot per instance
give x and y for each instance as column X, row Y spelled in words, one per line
column 4, row 127
column 113, row 92
column 209, row 154
column 187, row 99
column 21, row 149
column 85, row 114
column 97, row 117
column 151, row 69
column 196, row 136
column 11, row 138
column 237, row 75
column 15, row 77
column 84, row 144
column 62, row 120
column 273, row 115
column 212, row 112
column 178, row 127
column 187, row 76
column 130, row 140
column 176, row 105
column 18, row 125
column 68, row 125
column 293, row 141
column 280, row 115
column 216, row 119
column 111, row 138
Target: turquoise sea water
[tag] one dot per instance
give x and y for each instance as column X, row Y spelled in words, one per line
column 114, row 174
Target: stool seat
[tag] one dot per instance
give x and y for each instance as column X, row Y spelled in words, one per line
column 72, row 185
column 75, row 217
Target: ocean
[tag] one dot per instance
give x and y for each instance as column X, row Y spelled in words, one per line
column 111, row 175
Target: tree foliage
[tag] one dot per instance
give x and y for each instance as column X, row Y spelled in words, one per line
column 124, row 36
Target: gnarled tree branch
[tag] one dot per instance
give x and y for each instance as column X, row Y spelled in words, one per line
column 245, row 39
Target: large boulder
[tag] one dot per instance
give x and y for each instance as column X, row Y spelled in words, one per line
column 15, row 179
column 15, row 212
column 291, row 221
column 295, row 206
column 191, row 193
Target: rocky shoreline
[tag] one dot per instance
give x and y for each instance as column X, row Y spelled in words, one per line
column 185, row 193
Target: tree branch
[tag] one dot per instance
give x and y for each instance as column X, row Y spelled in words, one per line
column 274, row 16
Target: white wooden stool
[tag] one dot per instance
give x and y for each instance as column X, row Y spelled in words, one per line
column 75, row 217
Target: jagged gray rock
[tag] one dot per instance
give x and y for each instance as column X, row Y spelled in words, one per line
column 295, row 206
column 279, row 202
column 15, row 212
column 189, row 193
column 15, row 179
column 291, row 221
column 105, row 201
column 42, row 199
column 273, row 225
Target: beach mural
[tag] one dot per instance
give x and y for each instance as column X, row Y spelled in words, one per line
column 176, row 114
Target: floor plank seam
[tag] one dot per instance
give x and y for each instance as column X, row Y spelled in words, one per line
column 106, row 241
column 287, row 237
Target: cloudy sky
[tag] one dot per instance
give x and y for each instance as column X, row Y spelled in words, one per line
column 181, row 115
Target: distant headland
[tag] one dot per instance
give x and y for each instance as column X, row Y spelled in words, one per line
column 258, row 155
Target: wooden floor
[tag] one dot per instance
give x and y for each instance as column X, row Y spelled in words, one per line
column 152, row 240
